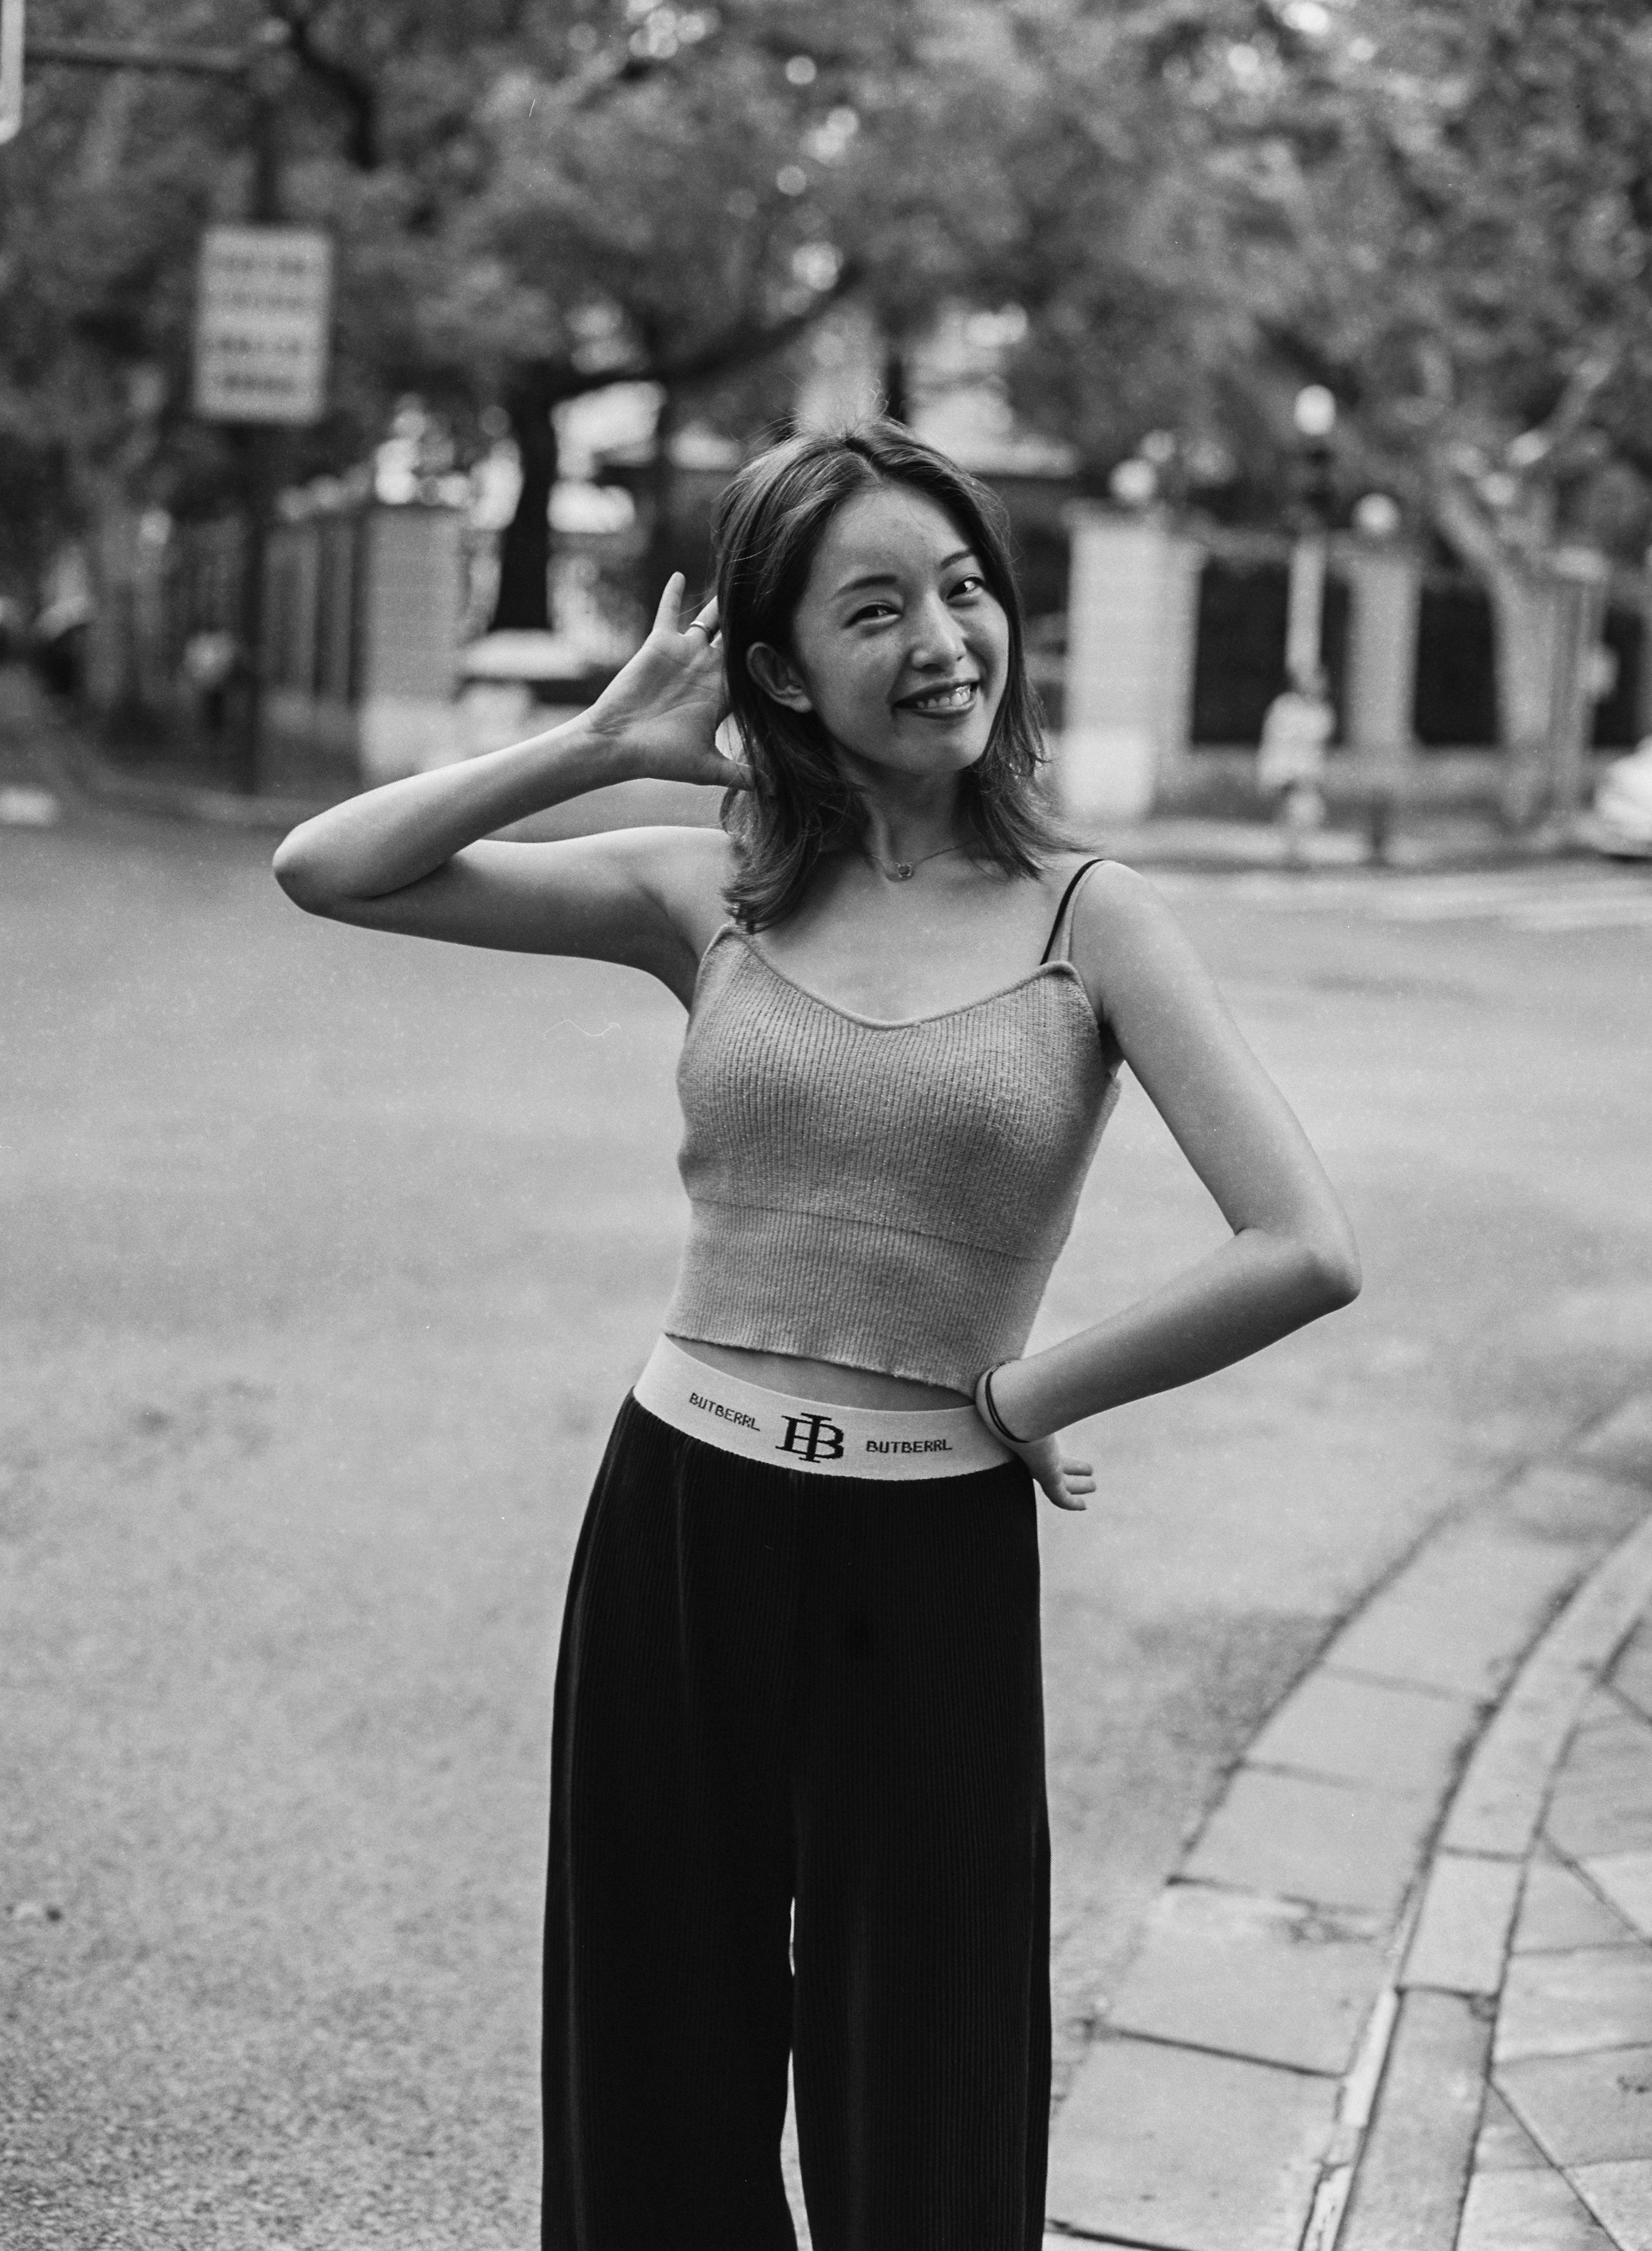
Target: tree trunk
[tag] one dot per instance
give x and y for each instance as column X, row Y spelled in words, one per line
column 1526, row 619
column 522, row 603
column 1526, row 646
column 896, row 391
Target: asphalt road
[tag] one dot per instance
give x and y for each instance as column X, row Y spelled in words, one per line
column 325, row 1259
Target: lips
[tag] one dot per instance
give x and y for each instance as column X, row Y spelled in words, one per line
column 941, row 703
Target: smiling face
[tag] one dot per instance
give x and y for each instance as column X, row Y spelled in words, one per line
column 897, row 646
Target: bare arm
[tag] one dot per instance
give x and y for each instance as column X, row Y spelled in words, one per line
column 1292, row 1256
column 411, row 857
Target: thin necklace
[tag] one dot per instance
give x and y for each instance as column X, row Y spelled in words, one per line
column 899, row 872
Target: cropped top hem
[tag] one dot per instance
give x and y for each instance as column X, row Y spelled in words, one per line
column 739, row 1286
column 866, row 1363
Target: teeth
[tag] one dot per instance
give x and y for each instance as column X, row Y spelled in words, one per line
column 944, row 696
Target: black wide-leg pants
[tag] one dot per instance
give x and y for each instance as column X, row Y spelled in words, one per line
column 781, row 1690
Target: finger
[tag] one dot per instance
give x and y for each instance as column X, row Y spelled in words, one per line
column 1065, row 1500
column 670, row 601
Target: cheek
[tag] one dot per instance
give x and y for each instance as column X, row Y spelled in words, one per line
column 989, row 646
column 994, row 642
column 845, row 683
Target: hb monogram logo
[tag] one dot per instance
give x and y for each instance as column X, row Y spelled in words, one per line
column 814, row 1437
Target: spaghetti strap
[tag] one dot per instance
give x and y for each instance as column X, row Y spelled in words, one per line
column 1066, row 897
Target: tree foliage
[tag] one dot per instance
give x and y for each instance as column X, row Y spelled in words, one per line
column 1440, row 208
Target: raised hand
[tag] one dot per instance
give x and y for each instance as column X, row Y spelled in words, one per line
column 663, row 711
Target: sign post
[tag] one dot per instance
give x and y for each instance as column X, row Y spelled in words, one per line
column 262, row 315
column 260, row 358
column 10, row 69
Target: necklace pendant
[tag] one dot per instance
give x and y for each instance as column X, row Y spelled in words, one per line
column 903, row 870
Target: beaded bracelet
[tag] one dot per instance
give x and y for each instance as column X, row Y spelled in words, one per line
column 993, row 1416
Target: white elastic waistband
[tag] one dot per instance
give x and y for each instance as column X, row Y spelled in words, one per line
column 794, row 1433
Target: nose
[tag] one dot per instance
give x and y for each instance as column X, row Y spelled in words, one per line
column 937, row 642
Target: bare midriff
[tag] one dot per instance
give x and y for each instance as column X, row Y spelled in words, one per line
column 822, row 1379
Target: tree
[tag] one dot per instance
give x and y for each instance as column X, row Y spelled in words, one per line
column 533, row 202
column 678, row 201
column 102, row 200
column 1494, row 184
column 1439, row 208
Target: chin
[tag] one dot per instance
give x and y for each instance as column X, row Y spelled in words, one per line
column 944, row 758
column 941, row 751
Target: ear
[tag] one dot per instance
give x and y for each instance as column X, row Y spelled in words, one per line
column 776, row 676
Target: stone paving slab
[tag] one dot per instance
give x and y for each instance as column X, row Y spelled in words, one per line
column 1410, row 2185
column 1557, row 1911
column 1623, row 1441
column 1123, row 2163
column 1632, row 1675
column 1602, row 1801
column 1564, row 1500
column 1332, row 1844
column 1567, row 2004
column 1497, row 1807
column 1503, row 2144
column 1463, row 1932
column 1619, row 2195
column 1527, row 2211
column 1583, row 2109
column 1351, row 1729
column 1626, row 1878
column 1433, row 1624
column 1263, row 1977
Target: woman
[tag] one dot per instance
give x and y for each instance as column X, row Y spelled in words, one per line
column 798, row 1801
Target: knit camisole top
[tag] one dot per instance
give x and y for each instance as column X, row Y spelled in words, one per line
column 887, row 1195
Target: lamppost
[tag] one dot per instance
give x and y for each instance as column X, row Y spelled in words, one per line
column 1313, row 492
column 1290, row 763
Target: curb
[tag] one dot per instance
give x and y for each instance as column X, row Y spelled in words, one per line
column 1309, row 2015
column 1244, row 848
column 1406, row 2181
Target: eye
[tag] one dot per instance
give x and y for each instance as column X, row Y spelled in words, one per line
column 872, row 610
column 970, row 584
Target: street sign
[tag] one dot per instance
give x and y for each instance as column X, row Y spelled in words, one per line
column 11, row 68
column 261, row 325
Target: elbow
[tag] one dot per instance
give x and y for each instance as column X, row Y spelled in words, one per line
column 1334, row 1272
column 295, row 870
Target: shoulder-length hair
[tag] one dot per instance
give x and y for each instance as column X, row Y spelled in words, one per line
column 767, row 527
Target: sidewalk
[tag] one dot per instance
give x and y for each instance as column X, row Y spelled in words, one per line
column 1425, row 838
column 1398, row 1996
